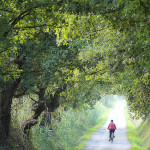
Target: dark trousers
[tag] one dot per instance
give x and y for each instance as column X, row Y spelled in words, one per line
column 110, row 131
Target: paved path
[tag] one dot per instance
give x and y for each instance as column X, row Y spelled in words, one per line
column 99, row 140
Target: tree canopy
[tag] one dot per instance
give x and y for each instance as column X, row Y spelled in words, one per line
column 70, row 48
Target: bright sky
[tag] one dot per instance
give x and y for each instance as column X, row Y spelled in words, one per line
column 117, row 114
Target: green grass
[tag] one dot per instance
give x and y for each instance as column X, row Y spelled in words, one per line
column 144, row 133
column 135, row 141
column 86, row 137
column 138, row 135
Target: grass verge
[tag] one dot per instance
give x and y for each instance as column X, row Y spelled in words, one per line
column 85, row 138
column 138, row 134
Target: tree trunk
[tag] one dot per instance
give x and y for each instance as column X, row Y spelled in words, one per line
column 6, row 96
column 40, row 108
column 52, row 106
column 5, row 114
column 53, row 103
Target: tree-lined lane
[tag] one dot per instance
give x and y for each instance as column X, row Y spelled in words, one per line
column 99, row 140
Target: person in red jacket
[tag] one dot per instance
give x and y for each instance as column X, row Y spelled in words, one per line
column 111, row 128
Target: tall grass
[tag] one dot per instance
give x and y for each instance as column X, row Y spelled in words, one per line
column 68, row 129
column 20, row 112
column 67, row 132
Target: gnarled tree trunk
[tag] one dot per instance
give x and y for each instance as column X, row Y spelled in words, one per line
column 40, row 108
column 42, row 104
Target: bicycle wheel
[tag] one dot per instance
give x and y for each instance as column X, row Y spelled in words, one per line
column 112, row 137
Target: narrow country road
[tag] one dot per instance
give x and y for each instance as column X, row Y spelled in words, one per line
column 99, row 140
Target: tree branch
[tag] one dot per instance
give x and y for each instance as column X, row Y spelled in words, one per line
column 21, row 16
column 20, row 94
column 33, row 99
column 30, row 27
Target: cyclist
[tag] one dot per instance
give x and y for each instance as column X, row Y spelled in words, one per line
column 111, row 128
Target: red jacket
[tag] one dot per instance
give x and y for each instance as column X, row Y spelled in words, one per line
column 111, row 126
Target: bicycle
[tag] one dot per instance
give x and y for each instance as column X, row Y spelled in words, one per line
column 111, row 128
column 111, row 137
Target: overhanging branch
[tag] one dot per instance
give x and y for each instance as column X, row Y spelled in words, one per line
column 30, row 27
column 20, row 94
column 33, row 99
